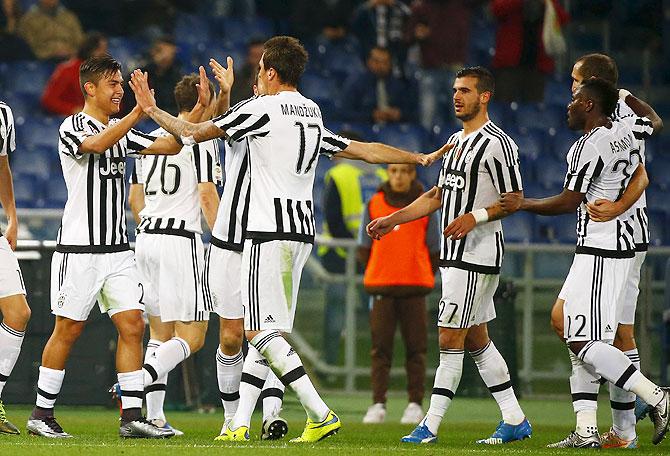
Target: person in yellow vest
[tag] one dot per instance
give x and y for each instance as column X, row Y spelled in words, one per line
column 348, row 185
column 400, row 272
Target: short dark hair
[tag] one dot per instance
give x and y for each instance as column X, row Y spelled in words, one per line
column 602, row 92
column 287, row 56
column 598, row 66
column 485, row 80
column 90, row 44
column 186, row 92
column 95, row 68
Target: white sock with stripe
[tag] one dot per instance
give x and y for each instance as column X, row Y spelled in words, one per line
column 447, row 378
column 493, row 370
column 286, row 363
column 228, row 374
column 165, row 358
column 254, row 372
column 132, row 390
column 10, row 347
column 584, row 386
column 154, row 394
column 273, row 396
column 611, row 364
column 49, row 383
column 623, row 404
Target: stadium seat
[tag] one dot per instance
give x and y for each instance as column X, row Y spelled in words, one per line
column 191, row 29
column 240, row 30
column 220, row 52
column 38, row 132
column 533, row 116
column 657, row 198
column 659, row 172
column 658, row 227
column 502, row 115
column 531, row 144
column 23, row 106
column 405, row 136
column 32, row 163
column 364, row 130
column 125, row 50
column 557, row 92
column 56, row 192
column 28, row 190
column 550, row 172
column 27, row 77
column 561, row 142
column 519, row 227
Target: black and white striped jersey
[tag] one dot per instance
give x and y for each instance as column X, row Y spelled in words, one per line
column 231, row 219
column 171, row 195
column 480, row 167
column 286, row 136
column 600, row 166
column 7, row 133
column 639, row 209
column 94, row 218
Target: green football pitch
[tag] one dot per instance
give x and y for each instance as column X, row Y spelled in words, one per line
column 467, row 420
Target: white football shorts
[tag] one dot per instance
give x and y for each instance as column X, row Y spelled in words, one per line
column 11, row 280
column 467, row 298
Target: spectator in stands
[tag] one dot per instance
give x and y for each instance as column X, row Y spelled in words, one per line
column 382, row 23
column 246, row 77
column 521, row 63
column 52, row 31
column 62, row 94
column 377, row 95
column 400, row 272
column 309, row 18
column 439, row 62
column 12, row 46
column 348, row 185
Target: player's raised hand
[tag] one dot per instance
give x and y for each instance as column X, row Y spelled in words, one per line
column 379, row 227
column 144, row 96
column 204, row 95
column 511, row 202
column 427, row 160
column 602, row 210
column 460, row 226
column 224, row 76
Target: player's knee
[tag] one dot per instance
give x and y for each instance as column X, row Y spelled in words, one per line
column 576, row 347
column 196, row 342
column 452, row 338
column 625, row 338
column 69, row 332
column 132, row 329
column 17, row 317
column 231, row 341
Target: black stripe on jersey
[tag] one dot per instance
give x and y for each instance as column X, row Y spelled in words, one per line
column 304, row 223
column 232, row 223
column 143, row 135
column 63, row 248
column 585, row 250
column 505, row 143
column 335, row 143
column 579, row 146
column 278, row 215
column 66, row 144
column 103, row 204
column 196, row 276
column 5, row 122
column 310, row 216
column 314, row 157
column 594, row 299
column 196, row 161
column 264, row 119
column 291, row 218
column 235, row 122
column 499, row 248
column 90, row 189
column 210, row 165
column 78, row 122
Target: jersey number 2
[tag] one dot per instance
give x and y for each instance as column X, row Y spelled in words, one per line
column 301, row 154
column 176, row 178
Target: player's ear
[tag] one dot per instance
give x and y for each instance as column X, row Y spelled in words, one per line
column 485, row 97
column 89, row 87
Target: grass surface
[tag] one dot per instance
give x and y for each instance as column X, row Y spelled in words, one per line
column 95, row 431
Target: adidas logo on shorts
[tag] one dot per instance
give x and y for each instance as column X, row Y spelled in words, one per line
column 290, row 352
column 608, row 329
column 269, row 319
column 263, row 362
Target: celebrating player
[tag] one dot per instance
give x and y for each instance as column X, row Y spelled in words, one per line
column 286, row 137
column 13, row 305
column 167, row 194
column 599, row 167
column 93, row 261
column 483, row 164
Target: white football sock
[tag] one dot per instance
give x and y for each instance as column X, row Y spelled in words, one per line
column 493, row 370
column 132, row 389
column 10, row 347
column 286, row 363
column 447, row 377
column 254, row 372
column 166, row 357
column 49, row 383
column 228, row 374
column 584, row 386
column 154, row 394
column 273, row 395
column 623, row 404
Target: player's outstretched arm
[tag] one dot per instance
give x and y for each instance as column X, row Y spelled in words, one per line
column 190, row 133
column 602, row 210
column 8, row 202
column 425, row 204
column 565, row 202
column 383, row 153
column 465, row 223
column 100, row 142
column 642, row 109
column 225, row 78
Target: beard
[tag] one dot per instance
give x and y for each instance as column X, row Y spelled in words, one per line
column 467, row 116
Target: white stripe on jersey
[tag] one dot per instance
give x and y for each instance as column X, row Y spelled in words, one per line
column 480, row 167
column 286, row 136
column 7, row 132
column 599, row 165
column 231, row 219
column 94, row 218
column 171, row 184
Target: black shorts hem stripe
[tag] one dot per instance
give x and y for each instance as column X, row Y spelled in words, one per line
column 641, row 247
column 604, row 252
column 444, row 392
column 269, row 236
column 168, row 232
column 501, row 387
column 224, row 245
column 625, row 376
column 4, row 378
column 62, row 248
column 460, row 264
column 292, row 376
column 252, row 380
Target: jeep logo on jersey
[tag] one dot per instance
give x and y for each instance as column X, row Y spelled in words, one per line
column 455, row 180
column 112, row 167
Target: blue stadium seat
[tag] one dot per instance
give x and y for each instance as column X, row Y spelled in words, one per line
column 364, row 130
column 340, row 60
column 23, row 106
column 28, row 77
column 56, row 192
column 531, row 144
column 220, row 52
column 659, row 172
column 502, row 115
column 31, row 163
column 28, row 190
column 538, row 116
column 550, row 172
column 561, row 141
column 38, row 132
column 551, row 266
column 519, row 227
column 125, row 50
column 191, row 29
column 527, row 169
column 323, row 91
column 657, row 197
column 442, row 133
column 658, row 227
column 564, row 228
column 557, row 92
column 405, row 136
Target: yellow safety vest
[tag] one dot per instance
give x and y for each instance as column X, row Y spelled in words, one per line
column 355, row 186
